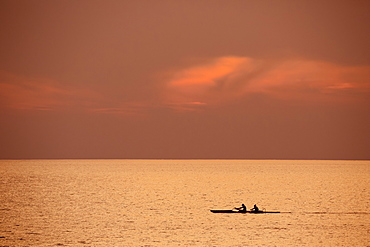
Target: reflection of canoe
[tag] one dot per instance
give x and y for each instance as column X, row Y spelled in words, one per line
column 241, row 212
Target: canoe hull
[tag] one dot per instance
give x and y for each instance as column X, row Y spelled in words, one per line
column 222, row 211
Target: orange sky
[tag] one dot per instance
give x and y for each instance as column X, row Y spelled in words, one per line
column 185, row 79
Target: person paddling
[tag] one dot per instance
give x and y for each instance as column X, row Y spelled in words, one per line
column 242, row 209
column 255, row 208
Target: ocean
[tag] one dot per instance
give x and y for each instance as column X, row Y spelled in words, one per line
column 168, row 202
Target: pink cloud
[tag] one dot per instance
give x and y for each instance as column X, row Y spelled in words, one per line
column 196, row 83
column 228, row 78
column 26, row 93
column 205, row 75
column 311, row 80
column 43, row 94
column 121, row 108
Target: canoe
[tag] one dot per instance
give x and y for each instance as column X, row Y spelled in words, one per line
column 241, row 212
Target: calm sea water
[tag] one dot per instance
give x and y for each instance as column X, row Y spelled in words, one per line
column 167, row 203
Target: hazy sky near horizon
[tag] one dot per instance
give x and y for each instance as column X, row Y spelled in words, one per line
column 185, row 79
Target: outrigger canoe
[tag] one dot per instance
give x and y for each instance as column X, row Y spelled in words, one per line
column 242, row 212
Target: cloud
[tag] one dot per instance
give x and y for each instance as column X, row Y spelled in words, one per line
column 122, row 108
column 35, row 93
column 44, row 94
column 199, row 84
column 227, row 78
column 214, row 82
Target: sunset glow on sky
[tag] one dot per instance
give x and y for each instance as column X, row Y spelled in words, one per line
column 185, row 79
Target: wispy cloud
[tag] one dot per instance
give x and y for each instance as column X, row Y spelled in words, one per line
column 121, row 108
column 26, row 93
column 226, row 78
column 44, row 94
column 217, row 81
